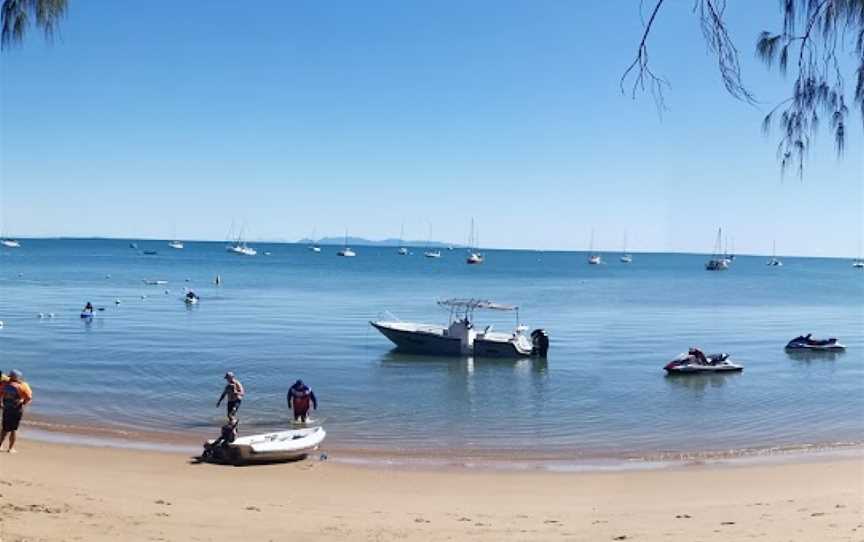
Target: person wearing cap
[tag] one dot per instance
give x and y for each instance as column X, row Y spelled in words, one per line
column 234, row 393
column 15, row 394
column 299, row 397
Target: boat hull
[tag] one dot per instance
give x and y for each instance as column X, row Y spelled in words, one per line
column 420, row 342
column 280, row 446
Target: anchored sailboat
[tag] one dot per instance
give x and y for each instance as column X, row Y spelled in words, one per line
column 593, row 258
column 474, row 255
column 403, row 250
column 430, row 252
column 346, row 250
column 625, row 256
column 773, row 261
column 718, row 261
column 239, row 246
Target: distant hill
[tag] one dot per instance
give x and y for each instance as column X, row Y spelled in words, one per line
column 359, row 242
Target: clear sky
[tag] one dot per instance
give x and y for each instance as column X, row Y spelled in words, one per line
column 146, row 118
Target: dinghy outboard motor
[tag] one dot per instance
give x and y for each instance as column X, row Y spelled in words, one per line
column 539, row 342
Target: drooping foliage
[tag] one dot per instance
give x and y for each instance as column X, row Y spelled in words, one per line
column 815, row 45
column 17, row 16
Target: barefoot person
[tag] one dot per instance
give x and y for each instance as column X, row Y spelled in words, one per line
column 15, row 394
column 234, row 393
column 299, row 397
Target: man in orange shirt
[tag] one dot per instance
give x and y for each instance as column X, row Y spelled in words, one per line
column 15, row 394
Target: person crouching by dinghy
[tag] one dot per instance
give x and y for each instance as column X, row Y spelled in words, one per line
column 228, row 435
column 234, row 392
column 299, row 397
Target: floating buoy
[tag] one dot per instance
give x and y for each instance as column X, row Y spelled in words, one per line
column 167, row 292
column 143, row 296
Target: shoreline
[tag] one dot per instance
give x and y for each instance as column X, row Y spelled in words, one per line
column 68, row 492
column 54, row 431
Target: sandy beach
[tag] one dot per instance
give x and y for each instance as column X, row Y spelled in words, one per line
column 69, row 492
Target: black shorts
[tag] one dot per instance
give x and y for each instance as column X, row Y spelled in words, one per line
column 233, row 406
column 11, row 418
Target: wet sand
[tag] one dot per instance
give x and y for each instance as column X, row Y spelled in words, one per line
column 70, row 492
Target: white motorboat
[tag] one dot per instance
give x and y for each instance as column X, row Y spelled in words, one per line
column 286, row 445
column 432, row 253
column 461, row 338
column 687, row 363
column 718, row 261
column 176, row 245
column 10, row 243
column 315, row 248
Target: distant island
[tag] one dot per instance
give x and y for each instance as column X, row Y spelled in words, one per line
column 360, row 242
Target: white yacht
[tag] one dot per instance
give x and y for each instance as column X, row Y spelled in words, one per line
column 430, row 252
column 177, row 245
column 460, row 338
column 10, row 243
column 403, row 250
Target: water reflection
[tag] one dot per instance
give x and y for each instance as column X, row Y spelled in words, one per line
column 814, row 355
column 699, row 382
column 468, row 364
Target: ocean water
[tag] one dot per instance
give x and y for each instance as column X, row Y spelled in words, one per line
column 152, row 363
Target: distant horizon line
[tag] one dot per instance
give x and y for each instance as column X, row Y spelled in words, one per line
column 395, row 243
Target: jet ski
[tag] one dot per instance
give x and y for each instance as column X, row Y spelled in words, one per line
column 689, row 364
column 808, row 343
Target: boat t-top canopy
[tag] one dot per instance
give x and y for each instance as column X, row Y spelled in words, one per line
column 471, row 304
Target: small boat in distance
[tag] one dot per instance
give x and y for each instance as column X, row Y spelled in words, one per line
column 430, row 252
column 403, row 250
column 149, row 252
column 475, row 257
column 176, row 245
column 626, row 257
column 460, row 338
column 773, row 261
column 346, row 251
column 239, row 246
column 718, row 262
column 10, row 243
column 858, row 263
column 593, row 258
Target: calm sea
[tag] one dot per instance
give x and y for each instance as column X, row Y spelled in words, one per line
column 152, row 363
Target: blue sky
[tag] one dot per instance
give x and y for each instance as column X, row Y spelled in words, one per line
column 146, row 118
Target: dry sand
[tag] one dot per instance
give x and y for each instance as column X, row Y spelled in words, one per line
column 66, row 492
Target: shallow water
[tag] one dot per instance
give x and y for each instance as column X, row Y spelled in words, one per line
column 153, row 363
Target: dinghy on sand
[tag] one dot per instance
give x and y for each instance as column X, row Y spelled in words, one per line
column 269, row 447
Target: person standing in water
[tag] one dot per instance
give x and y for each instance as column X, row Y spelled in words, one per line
column 15, row 394
column 299, row 397
column 234, row 392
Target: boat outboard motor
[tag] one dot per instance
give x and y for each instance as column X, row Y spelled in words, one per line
column 539, row 342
